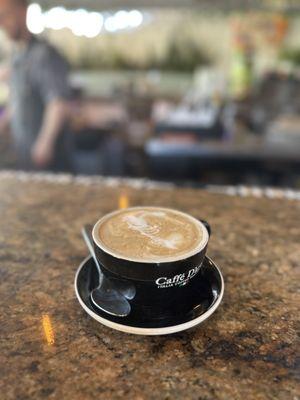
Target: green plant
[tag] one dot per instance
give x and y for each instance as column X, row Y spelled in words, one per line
column 292, row 55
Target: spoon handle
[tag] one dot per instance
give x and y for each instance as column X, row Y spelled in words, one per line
column 105, row 296
column 86, row 232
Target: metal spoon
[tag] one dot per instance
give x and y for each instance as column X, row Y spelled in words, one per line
column 124, row 287
column 106, row 297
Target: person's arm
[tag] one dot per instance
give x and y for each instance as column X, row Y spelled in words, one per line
column 55, row 116
column 5, row 121
column 51, row 81
column 5, row 115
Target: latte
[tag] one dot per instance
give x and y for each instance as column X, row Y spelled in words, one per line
column 150, row 234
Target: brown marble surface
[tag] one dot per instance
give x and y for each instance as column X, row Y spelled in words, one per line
column 50, row 349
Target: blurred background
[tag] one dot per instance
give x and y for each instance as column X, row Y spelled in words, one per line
column 195, row 92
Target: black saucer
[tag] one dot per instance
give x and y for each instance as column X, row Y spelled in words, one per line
column 209, row 291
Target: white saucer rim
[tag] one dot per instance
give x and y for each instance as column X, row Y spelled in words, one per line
column 150, row 331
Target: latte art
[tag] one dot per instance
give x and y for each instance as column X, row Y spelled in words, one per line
column 140, row 224
column 148, row 234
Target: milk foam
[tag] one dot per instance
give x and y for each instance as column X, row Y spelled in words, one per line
column 150, row 234
column 140, row 225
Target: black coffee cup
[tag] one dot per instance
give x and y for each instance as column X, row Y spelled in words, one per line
column 162, row 289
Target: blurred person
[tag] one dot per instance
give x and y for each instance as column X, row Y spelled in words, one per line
column 39, row 94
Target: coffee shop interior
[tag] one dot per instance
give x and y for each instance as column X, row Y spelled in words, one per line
column 195, row 92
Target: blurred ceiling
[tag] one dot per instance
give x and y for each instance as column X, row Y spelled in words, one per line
column 222, row 5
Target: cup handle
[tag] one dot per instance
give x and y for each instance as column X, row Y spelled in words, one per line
column 207, row 226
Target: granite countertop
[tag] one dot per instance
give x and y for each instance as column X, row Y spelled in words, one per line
column 50, row 349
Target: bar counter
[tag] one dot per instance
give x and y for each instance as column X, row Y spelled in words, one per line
column 50, row 349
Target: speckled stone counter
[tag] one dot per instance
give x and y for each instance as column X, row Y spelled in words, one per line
column 50, row 349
